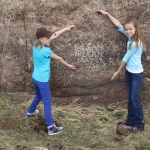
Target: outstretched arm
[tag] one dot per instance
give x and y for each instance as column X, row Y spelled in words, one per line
column 113, row 20
column 118, row 71
column 54, row 56
column 57, row 33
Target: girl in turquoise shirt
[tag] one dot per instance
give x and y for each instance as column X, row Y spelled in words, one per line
column 42, row 55
column 134, row 71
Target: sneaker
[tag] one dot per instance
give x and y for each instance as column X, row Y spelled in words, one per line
column 135, row 130
column 32, row 114
column 124, row 122
column 54, row 130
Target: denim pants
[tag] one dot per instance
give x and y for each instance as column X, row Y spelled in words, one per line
column 135, row 111
column 42, row 91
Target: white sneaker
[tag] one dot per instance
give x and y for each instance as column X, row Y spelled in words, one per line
column 32, row 114
column 54, row 130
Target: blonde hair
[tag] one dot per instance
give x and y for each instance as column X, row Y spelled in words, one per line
column 38, row 44
column 137, row 35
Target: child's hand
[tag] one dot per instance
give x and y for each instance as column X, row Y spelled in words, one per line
column 72, row 67
column 70, row 27
column 103, row 12
column 114, row 75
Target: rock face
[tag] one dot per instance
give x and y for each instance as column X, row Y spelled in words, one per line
column 94, row 46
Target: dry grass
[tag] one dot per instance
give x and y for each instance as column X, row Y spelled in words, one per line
column 85, row 128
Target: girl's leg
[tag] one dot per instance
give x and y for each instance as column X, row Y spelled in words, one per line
column 130, row 105
column 37, row 98
column 138, row 111
column 46, row 98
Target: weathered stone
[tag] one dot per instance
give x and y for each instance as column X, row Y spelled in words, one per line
column 118, row 137
column 94, row 46
column 122, row 130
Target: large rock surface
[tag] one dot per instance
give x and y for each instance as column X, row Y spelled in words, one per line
column 94, row 46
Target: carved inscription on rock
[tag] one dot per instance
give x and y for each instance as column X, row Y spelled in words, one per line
column 94, row 46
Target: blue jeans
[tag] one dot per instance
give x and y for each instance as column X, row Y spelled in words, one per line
column 135, row 111
column 42, row 91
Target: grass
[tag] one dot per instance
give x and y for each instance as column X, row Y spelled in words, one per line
column 85, row 128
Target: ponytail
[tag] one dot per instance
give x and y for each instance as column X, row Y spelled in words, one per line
column 38, row 44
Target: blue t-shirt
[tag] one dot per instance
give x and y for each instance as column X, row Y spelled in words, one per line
column 132, row 57
column 41, row 59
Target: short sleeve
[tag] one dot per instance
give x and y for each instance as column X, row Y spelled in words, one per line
column 47, row 52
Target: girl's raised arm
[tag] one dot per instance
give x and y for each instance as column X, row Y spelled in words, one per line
column 113, row 20
column 57, row 33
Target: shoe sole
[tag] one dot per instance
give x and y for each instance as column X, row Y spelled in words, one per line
column 134, row 132
column 31, row 115
column 137, row 131
column 56, row 133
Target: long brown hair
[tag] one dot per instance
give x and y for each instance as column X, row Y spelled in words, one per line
column 137, row 36
column 38, row 44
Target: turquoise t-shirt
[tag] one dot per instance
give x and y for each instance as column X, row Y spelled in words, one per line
column 41, row 59
column 132, row 57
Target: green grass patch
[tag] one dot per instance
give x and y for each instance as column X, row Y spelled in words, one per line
column 143, row 146
column 104, row 120
column 110, row 109
column 3, row 95
column 85, row 128
column 6, row 114
column 120, row 114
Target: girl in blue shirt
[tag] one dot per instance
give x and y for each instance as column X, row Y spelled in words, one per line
column 42, row 55
column 134, row 71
